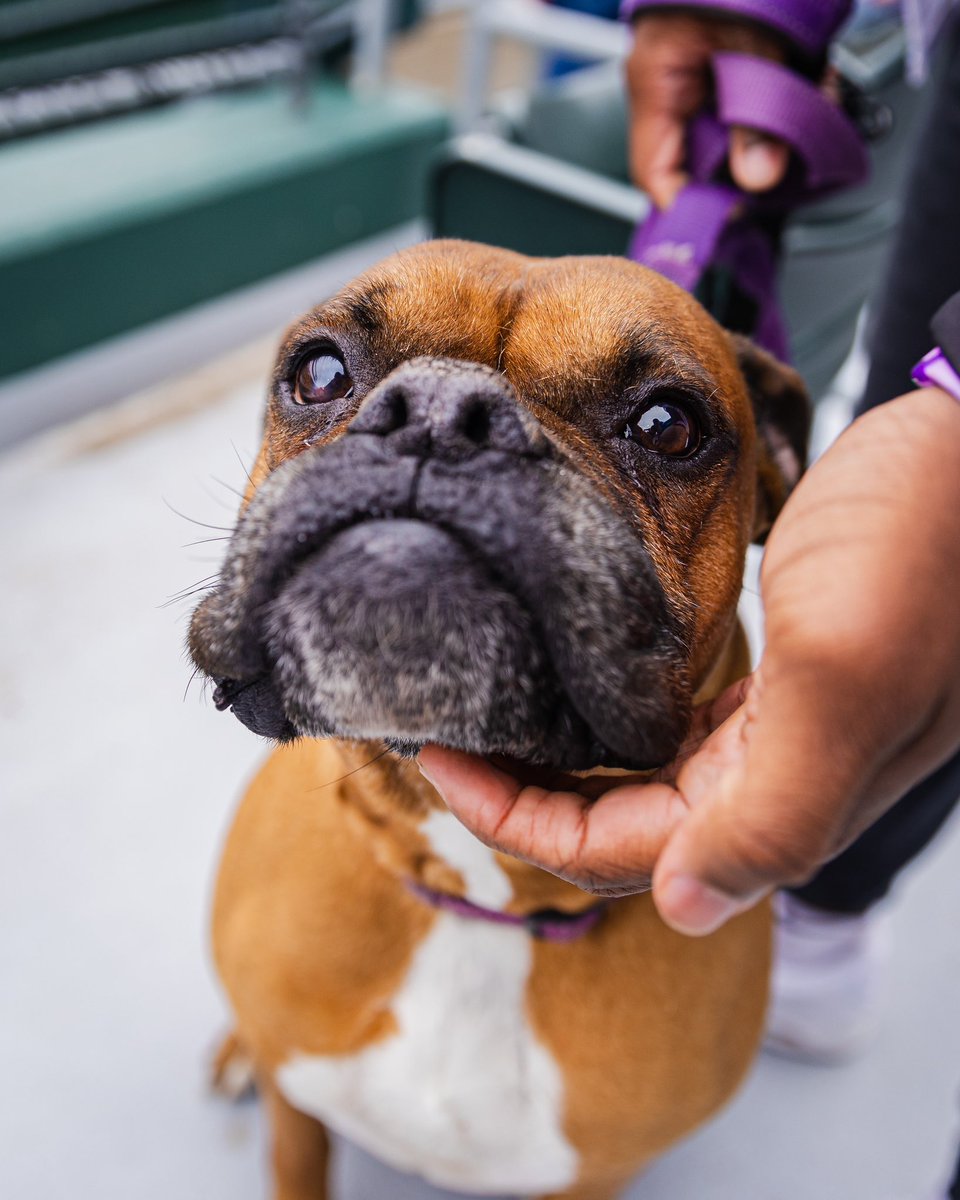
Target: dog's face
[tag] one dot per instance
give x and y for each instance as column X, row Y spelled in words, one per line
column 502, row 504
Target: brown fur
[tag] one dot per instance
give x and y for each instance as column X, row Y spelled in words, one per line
column 652, row 1030
column 313, row 927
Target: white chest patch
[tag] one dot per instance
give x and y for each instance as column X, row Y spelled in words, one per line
column 486, row 881
column 463, row 1094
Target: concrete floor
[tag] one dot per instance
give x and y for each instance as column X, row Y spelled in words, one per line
column 116, row 789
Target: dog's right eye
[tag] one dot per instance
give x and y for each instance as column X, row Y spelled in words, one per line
column 666, row 427
column 321, row 378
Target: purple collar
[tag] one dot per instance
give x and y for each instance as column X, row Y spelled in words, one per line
column 547, row 924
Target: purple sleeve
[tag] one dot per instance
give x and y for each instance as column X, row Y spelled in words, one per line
column 809, row 23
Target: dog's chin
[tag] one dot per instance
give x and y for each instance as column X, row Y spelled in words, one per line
column 397, row 631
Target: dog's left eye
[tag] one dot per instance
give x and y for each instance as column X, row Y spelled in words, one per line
column 664, row 427
column 321, row 378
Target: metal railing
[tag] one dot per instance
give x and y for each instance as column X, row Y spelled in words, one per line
column 534, row 24
column 869, row 54
column 77, row 77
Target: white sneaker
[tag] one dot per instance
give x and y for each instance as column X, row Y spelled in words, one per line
column 825, row 1001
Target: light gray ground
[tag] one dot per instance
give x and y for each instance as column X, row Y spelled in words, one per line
column 115, row 793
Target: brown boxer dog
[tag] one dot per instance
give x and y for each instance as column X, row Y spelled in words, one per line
column 501, row 504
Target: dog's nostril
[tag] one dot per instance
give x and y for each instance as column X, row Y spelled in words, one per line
column 476, row 422
column 398, row 412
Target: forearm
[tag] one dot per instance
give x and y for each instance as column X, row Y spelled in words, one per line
column 879, row 515
column 858, row 693
column 884, row 619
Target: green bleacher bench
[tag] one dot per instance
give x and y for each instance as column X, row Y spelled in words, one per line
column 108, row 226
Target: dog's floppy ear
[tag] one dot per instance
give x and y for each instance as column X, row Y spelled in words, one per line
column 781, row 408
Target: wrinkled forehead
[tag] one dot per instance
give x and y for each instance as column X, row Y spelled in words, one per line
column 606, row 321
column 429, row 300
column 611, row 323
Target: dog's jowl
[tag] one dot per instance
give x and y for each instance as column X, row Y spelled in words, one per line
column 502, row 504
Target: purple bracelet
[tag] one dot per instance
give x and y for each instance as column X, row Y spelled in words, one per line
column 936, row 370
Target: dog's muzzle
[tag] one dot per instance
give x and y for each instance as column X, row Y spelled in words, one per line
column 442, row 572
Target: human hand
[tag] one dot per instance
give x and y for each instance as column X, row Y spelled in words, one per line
column 668, row 78
column 857, row 697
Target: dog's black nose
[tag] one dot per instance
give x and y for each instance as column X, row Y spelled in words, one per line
column 440, row 405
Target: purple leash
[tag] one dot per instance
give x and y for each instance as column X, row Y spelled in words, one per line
column 700, row 230
column 547, row 924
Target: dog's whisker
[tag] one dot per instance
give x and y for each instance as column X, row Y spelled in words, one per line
column 204, row 541
column 193, row 520
column 355, row 771
column 197, row 583
column 202, row 585
column 193, row 674
column 178, row 599
column 186, row 596
column 241, row 462
column 229, row 486
column 219, row 500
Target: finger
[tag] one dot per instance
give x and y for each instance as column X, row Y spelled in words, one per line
column 757, row 162
column 493, row 805
column 625, row 833
column 707, row 718
column 607, row 846
column 657, row 152
column 667, row 83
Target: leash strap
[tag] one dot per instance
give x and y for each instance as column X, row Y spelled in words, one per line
column 547, row 924
column 713, row 223
column 772, row 98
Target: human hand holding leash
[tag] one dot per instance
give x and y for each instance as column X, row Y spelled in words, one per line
column 668, row 79
column 857, row 697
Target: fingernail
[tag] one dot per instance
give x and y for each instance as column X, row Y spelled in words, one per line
column 762, row 153
column 428, row 777
column 759, row 164
column 694, row 908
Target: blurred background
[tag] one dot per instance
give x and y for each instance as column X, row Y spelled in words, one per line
column 179, row 179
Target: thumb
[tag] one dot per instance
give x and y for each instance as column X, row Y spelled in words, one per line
column 767, row 806
column 757, row 162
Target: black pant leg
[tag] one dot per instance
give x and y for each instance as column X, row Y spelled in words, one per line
column 864, row 872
